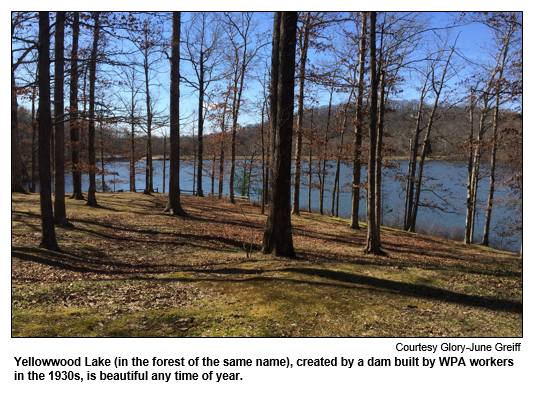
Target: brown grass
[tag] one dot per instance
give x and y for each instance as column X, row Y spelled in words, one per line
column 127, row 269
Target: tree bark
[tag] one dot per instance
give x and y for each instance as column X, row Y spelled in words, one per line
column 200, row 193
column 132, row 145
column 277, row 237
column 102, row 163
column 310, row 158
column 263, row 167
column 235, row 114
column 91, row 194
column 325, row 152
column 300, row 115
column 74, row 120
column 372, row 246
column 356, row 169
column 48, row 240
column 34, row 146
column 60, row 212
column 173, row 204
column 413, row 159
column 489, row 206
column 467, row 237
column 220, row 182
column 405, row 216
column 380, row 131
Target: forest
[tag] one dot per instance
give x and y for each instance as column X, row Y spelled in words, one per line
column 263, row 107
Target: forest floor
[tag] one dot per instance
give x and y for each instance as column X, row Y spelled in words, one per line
column 126, row 269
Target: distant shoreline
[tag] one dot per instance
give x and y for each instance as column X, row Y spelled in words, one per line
column 390, row 158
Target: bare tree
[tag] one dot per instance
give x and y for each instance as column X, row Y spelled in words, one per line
column 202, row 41
column 174, row 206
column 60, row 213
column 74, row 118
column 313, row 23
column 91, row 194
column 504, row 30
column 437, row 88
column 132, row 116
column 48, row 240
column 145, row 33
column 223, row 107
column 277, row 238
column 356, row 169
column 373, row 227
column 240, row 29
column 304, row 43
column 483, row 95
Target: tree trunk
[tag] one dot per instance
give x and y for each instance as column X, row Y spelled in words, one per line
column 232, row 153
column 426, row 142
column 277, row 237
column 372, row 246
column 164, row 160
column 310, row 158
column 325, row 153
column 213, row 161
column 149, row 174
column 467, row 237
column 378, row 181
column 34, row 145
column 194, row 161
column 263, row 167
column 74, row 119
column 238, row 91
column 300, row 115
column 200, row 193
column 334, row 190
column 489, row 207
column 338, row 160
column 473, row 176
column 60, row 213
column 102, row 164
column 356, row 169
column 91, row 195
column 173, row 204
column 48, row 240
column 221, row 167
column 413, row 158
column 132, row 149
column 405, row 217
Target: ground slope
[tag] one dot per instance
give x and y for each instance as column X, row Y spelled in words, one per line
column 126, row 269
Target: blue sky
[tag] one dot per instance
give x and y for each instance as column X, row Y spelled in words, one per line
column 472, row 40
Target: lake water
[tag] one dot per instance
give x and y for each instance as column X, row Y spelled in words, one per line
column 451, row 195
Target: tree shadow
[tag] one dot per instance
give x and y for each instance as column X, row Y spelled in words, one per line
column 416, row 290
column 349, row 280
column 206, row 238
column 72, row 262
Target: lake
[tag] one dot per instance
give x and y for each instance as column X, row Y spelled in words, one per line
column 448, row 179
